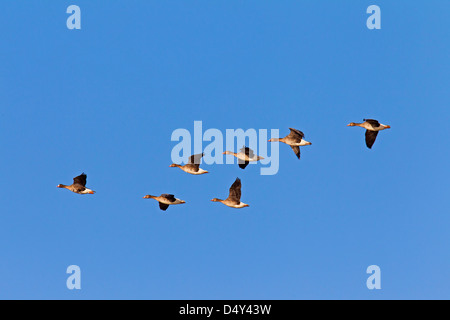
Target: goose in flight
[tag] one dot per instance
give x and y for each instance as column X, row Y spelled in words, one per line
column 165, row 200
column 372, row 128
column 245, row 156
column 234, row 198
column 293, row 139
column 193, row 166
column 78, row 186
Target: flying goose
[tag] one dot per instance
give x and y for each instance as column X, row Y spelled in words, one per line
column 293, row 139
column 165, row 200
column 78, row 186
column 193, row 166
column 234, row 199
column 245, row 156
column 372, row 127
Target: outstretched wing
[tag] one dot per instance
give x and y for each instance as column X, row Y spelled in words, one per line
column 295, row 134
column 371, row 136
column 81, row 179
column 235, row 191
column 247, row 151
column 169, row 197
column 194, row 161
column 163, row 206
column 195, row 158
column 296, row 150
column 243, row 165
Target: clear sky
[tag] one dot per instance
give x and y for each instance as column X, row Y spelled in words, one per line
column 105, row 100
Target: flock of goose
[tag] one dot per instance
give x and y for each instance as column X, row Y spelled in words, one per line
column 295, row 139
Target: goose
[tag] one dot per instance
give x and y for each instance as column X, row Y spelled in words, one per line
column 78, row 186
column 234, row 198
column 193, row 166
column 246, row 155
column 165, row 200
column 293, row 139
column 372, row 128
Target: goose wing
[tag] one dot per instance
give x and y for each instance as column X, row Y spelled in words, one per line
column 163, row 206
column 295, row 134
column 243, row 165
column 371, row 136
column 296, row 151
column 235, row 191
column 372, row 122
column 81, row 180
column 247, row 151
column 169, row 197
column 194, row 160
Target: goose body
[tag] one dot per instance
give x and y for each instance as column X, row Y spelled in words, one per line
column 295, row 139
column 78, row 185
column 301, row 143
column 165, row 200
column 234, row 197
column 193, row 166
column 246, row 155
column 372, row 128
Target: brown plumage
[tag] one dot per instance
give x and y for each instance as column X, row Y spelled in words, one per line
column 78, row 186
column 234, row 197
column 295, row 139
column 372, row 128
column 193, row 166
column 245, row 156
column 165, row 200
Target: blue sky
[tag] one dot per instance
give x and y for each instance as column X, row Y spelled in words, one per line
column 105, row 100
